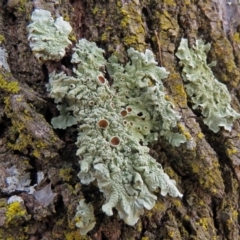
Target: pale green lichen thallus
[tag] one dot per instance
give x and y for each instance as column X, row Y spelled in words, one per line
column 110, row 148
column 205, row 91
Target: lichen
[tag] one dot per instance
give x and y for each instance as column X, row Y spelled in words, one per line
column 14, row 198
column 75, row 235
column 85, row 219
column 26, row 131
column 48, row 37
column 141, row 94
column 10, row 87
column 2, row 38
column 200, row 135
column 21, row 5
column 65, row 174
column 45, row 195
column 111, row 153
column 15, row 211
column 205, row 91
column 17, row 182
column 231, row 151
column 133, row 25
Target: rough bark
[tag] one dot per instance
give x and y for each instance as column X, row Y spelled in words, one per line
column 208, row 175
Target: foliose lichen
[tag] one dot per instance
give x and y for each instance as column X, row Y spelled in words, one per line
column 142, row 97
column 45, row 195
column 203, row 88
column 48, row 37
column 111, row 153
column 85, row 219
column 14, row 198
column 17, row 182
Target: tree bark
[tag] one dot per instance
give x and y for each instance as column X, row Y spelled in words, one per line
column 208, row 175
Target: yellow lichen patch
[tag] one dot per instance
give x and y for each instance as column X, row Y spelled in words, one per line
column 177, row 202
column 36, row 154
column 180, row 90
column 95, row 10
column 139, row 226
column 170, row 172
column 171, row 234
column 24, row 134
column 215, row 164
column 184, row 131
column 158, row 207
column 133, row 26
column 66, row 17
column 145, row 238
column 236, row 37
column 195, row 167
column 11, row 87
column 119, row 3
column 200, row 135
column 235, row 214
column 169, row 2
column 231, row 73
column 165, row 21
column 9, row 235
column 75, row 235
column 22, row 141
column 130, row 40
column 72, row 37
column 187, row 2
column 21, row 5
column 209, row 182
column 231, row 151
column 126, row 20
column 65, row 174
column 2, row 38
column 201, row 202
column 40, row 144
column 15, row 211
column 167, row 97
column 3, row 202
column 104, row 36
column 204, row 223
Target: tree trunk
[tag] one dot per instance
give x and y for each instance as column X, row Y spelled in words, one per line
column 208, row 174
